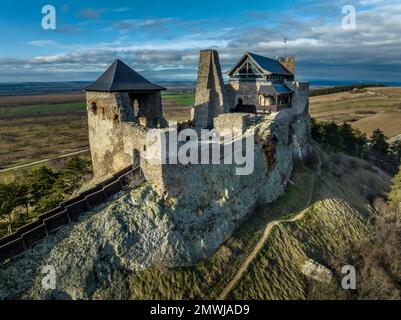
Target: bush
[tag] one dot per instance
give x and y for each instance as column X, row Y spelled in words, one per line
column 311, row 160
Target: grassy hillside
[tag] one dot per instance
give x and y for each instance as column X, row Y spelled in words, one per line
column 338, row 213
column 365, row 109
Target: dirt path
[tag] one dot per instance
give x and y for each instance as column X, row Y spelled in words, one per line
column 244, row 266
column 44, row 160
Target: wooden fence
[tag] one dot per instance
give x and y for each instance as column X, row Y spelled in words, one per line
column 67, row 212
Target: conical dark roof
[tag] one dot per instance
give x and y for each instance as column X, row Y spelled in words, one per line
column 120, row 77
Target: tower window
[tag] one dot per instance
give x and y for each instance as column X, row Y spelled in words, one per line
column 93, row 107
column 135, row 107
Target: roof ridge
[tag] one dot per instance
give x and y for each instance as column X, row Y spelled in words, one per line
column 115, row 63
column 119, row 76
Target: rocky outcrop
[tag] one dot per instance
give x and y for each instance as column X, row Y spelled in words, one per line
column 142, row 228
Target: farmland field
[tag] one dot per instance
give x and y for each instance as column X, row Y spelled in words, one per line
column 27, row 100
column 28, row 138
column 43, row 108
column 365, row 110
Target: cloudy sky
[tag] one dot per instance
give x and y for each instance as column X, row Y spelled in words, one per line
column 162, row 39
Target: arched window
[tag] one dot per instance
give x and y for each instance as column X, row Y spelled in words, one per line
column 135, row 107
column 93, row 107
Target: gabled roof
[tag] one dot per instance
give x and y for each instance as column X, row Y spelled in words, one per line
column 266, row 65
column 275, row 88
column 120, row 77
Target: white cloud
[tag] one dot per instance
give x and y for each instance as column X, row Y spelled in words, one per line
column 321, row 46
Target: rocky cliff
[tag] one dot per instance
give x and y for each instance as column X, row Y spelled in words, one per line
column 141, row 229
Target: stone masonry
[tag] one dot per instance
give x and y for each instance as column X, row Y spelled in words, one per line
column 210, row 90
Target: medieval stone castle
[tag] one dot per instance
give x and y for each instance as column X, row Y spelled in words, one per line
column 123, row 106
column 184, row 211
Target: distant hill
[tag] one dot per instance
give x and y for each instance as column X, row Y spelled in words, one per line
column 39, row 88
column 44, row 88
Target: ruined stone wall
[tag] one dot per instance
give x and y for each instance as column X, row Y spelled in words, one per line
column 114, row 131
column 114, row 106
column 246, row 90
column 300, row 101
column 210, row 90
column 230, row 122
column 199, row 186
column 112, row 144
column 150, row 108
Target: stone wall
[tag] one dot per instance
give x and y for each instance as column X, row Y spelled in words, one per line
column 246, row 90
column 300, row 101
column 112, row 144
column 114, row 106
column 288, row 63
column 277, row 144
column 210, row 90
column 114, row 130
column 150, row 108
column 231, row 122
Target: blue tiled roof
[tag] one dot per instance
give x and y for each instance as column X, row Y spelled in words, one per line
column 275, row 88
column 269, row 65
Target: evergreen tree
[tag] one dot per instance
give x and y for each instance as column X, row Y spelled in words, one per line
column 395, row 149
column 71, row 176
column 378, row 142
column 12, row 196
column 330, row 135
column 40, row 182
column 347, row 138
column 316, row 130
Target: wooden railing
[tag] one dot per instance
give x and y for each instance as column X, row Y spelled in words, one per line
column 67, row 212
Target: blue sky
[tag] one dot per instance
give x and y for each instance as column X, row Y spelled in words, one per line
column 162, row 39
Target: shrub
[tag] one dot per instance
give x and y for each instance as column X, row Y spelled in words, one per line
column 311, row 160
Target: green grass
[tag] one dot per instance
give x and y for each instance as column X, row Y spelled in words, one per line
column 339, row 215
column 43, row 108
column 181, row 99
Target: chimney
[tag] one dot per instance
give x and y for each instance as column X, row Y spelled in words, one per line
column 288, row 63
